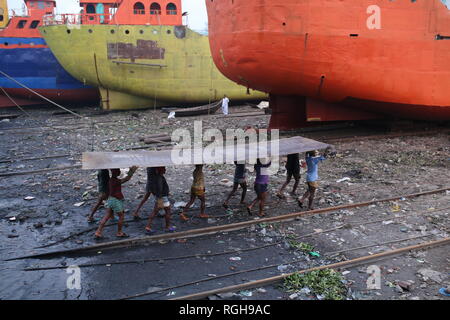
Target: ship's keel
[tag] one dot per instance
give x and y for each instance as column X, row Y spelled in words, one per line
column 294, row 112
column 114, row 100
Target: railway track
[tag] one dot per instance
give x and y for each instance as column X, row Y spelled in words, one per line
column 216, row 229
column 191, row 289
column 230, row 252
column 271, row 280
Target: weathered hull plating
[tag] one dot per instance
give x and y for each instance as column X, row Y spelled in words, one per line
column 143, row 66
column 387, row 57
column 38, row 69
column 25, row 57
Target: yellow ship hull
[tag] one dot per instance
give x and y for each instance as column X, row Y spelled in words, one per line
column 143, row 66
column 4, row 18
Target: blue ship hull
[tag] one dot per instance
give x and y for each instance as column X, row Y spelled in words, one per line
column 33, row 65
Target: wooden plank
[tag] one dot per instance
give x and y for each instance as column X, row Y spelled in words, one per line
column 9, row 116
column 157, row 140
column 35, row 158
column 242, row 152
column 242, row 115
column 152, row 136
column 21, row 173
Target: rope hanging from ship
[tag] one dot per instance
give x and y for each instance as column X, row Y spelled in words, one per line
column 92, row 123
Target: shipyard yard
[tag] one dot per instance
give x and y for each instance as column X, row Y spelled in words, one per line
column 46, row 198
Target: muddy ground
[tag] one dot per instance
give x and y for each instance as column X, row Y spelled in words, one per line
column 43, row 208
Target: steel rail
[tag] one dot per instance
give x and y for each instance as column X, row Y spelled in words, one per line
column 241, row 272
column 353, row 262
column 217, row 229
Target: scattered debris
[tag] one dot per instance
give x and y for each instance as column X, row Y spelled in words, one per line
column 326, row 283
column 263, row 105
column 246, row 293
column 179, row 204
column 283, row 268
column 405, row 285
column 428, row 274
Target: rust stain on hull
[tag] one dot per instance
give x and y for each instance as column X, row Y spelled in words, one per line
column 145, row 49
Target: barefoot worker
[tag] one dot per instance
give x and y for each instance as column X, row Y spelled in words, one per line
column 115, row 202
column 103, row 191
column 149, row 189
column 292, row 170
column 261, row 186
column 240, row 179
column 197, row 191
column 313, row 158
column 161, row 192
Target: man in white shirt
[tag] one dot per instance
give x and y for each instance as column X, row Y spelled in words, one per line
column 225, row 102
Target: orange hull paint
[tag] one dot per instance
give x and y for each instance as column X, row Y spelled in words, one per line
column 390, row 57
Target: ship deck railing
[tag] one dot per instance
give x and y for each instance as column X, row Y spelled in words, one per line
column 75, row 19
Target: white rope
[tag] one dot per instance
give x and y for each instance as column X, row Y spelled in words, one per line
column 39, row 95
column 13, row 101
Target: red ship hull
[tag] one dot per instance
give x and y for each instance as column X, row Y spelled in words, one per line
column 24, row 97
column 350, row 59
column 5, row 102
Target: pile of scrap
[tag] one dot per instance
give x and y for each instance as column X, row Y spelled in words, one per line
column 8, row 116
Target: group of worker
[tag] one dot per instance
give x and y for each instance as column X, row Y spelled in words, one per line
column 110, row 190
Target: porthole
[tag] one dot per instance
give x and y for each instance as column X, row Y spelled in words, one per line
column 68, row 31
column 112, row 31
column 169, row 32
column 127, row 31
column 90, row 30
column 141, row 31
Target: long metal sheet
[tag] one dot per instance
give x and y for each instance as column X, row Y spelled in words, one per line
column 248, row 152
